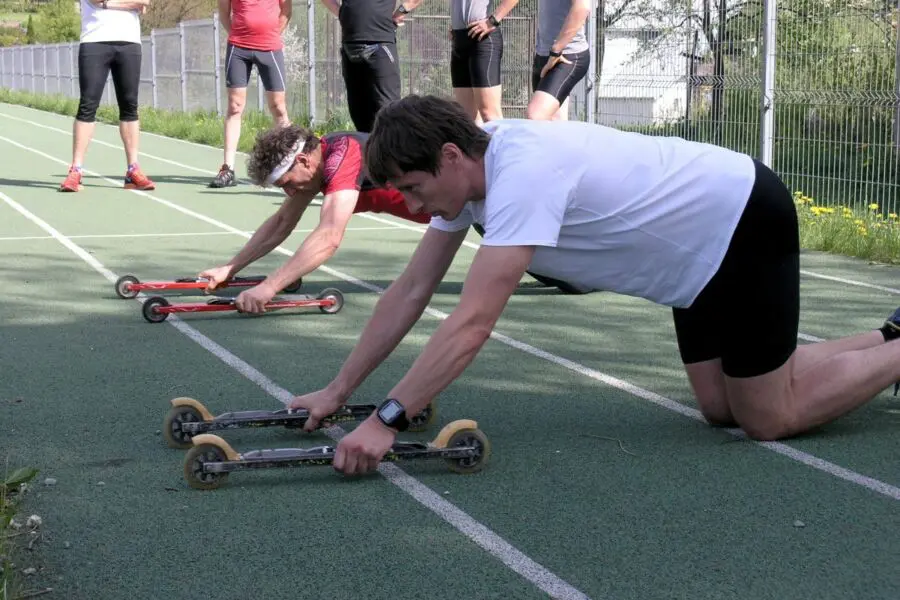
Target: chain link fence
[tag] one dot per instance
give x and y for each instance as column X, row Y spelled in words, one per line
column 811, row 87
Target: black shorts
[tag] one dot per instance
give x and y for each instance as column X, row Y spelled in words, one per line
column 269, row 64
column 748, row 314
column 475, row 63
column 562, row 78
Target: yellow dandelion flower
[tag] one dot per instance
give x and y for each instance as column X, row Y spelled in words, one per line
column 873, row 206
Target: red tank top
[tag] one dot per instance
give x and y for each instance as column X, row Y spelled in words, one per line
column 255, row 24
column 342, row 154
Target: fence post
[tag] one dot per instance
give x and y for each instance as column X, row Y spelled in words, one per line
column 217, row 61
column 33, row 83
column 590, row 80
column 311, row 58
column 183, row 66
column 767, row 97
column 154, row 91
column 897, row 83
column 73, row 61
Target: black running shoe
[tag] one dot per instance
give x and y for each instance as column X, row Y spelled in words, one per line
column 224, row 178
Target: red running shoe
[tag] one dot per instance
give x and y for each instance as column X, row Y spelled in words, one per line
column 136, row 180
column 72, row 182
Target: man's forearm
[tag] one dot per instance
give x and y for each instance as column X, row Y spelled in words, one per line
column 446, row 355
column 121, row 4
column 333, row 7
column 574, row 20
column 225, row 14
column 504, row 9
column 267, row 237
column 315, row 250
column 396, row 312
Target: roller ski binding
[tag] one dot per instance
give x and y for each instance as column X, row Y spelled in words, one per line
column 188, row 418
column 464, row 447
column 157, row 309
column 128, row 286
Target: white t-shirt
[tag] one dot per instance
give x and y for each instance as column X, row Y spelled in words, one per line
column 106, row 25
column 639, row 215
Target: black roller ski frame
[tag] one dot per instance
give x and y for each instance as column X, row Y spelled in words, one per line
column 189, row 417
column 464, row 447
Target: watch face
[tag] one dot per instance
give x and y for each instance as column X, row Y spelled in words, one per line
column 390, row 411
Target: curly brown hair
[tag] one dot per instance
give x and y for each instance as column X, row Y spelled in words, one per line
column 409, row 133
column 272, row 146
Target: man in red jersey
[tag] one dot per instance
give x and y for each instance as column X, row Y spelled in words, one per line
column 304, row 165
column 254, row 38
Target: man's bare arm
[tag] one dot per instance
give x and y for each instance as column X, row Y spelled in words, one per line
column 287, row 9
column 333, row 7
column 578, row 14
column 121, row 4
column 225, row 14
column 321, row 244
column 492, row 279
column 272, row 232
column 399, row 308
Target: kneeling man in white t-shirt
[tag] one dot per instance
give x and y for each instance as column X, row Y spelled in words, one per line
column 110, row 44
column 709, row 232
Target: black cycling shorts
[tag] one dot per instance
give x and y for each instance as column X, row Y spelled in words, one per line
column 475, row 63
column 562, row 78
column 269, row 64
column 748, row 314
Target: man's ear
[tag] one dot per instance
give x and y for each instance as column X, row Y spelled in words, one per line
column 451, row 154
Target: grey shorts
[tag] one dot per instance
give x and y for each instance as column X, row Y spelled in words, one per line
column 239, row 62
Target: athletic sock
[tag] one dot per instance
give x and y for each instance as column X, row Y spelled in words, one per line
column 132, row 167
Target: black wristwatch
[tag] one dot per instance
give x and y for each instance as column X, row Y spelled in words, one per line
column 555, row 54
column 493, row 21
column 402, row 10
column 393, row 415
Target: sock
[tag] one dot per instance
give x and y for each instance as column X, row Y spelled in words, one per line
column 132, row 167
column 76, row 167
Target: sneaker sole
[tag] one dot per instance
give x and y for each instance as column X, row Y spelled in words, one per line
column 133, row 186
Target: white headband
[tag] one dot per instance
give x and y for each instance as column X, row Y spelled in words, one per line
column 286, row 163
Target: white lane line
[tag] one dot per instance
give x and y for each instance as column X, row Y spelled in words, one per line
column 779, row 447
column 155, row 235
column 508, row 554
column 845, row 281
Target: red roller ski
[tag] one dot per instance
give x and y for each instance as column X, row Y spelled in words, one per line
column 157, row 309
column 128, row 286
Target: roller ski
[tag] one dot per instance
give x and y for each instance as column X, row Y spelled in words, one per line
column 157, row 309
column 129, row 286
column 464, row 447
column 189, row 418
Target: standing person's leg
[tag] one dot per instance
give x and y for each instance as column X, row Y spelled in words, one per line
column 755, row 375
column 486, row 81
column 358, row 81
column 460, row 72
column 270, row 66
column 386, row 86
column 126, row 76
column 94, row 59
column 551, row 92
column 238, row 63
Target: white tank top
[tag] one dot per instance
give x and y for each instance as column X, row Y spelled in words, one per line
column 104, row 25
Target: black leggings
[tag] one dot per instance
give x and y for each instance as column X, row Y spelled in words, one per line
column 95, row 62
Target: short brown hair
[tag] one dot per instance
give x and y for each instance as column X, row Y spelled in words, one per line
column 408, row 135
column 272, row 146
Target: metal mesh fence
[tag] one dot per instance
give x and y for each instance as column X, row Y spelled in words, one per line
column 811, row 87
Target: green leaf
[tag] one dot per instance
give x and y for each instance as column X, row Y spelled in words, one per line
column 19, row 476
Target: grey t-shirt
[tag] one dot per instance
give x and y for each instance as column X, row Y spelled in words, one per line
column 551, row 16
column 463, row 12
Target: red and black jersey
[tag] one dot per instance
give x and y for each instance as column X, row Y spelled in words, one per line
column 343, row 154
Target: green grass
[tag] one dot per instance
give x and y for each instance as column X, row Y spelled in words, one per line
column 862, row 232
column 14, row 534
column 16, row 17
column 202, row 127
